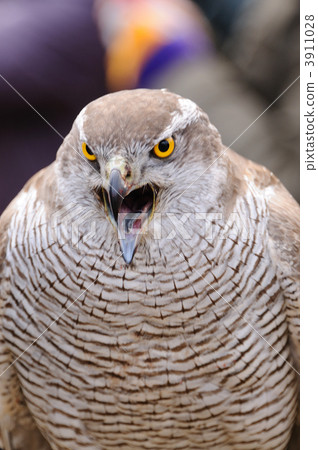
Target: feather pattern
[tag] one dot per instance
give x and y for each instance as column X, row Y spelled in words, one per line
column 194, row 345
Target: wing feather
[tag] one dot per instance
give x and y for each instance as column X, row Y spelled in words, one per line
column 17, row 428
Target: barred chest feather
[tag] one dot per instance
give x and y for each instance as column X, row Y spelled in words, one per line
column 185, row 349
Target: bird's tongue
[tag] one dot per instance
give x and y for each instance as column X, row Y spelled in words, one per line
column 129, row 230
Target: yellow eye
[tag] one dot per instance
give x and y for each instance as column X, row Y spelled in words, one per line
column 164, row 148
column 88, row 152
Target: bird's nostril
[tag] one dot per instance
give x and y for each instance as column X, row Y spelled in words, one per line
column 128, row 172
column 119, row 163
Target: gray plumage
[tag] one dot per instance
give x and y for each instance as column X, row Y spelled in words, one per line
column 194, row 343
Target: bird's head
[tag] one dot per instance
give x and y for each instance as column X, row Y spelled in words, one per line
column 136, row 153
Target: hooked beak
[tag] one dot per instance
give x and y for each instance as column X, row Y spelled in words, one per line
column 129, row 208
column 117, row 192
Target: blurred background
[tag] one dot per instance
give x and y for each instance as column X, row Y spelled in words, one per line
column 232, row 57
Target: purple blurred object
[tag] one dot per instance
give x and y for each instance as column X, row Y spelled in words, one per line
column 173, row 53
column 51, row 54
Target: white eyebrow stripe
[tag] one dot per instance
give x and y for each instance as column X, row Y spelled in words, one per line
column 80, row 124
column 188, row 108
column 189, row 113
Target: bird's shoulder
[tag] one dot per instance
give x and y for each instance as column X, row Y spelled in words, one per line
column 40, row 187
column 282, row 209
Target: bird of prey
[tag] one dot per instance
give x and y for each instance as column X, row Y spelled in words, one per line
column 149, row 289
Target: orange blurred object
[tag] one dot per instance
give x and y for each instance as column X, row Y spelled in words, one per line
column 143, row 36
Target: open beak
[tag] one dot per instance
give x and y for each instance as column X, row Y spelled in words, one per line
column 129, row 209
